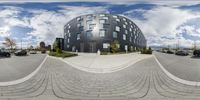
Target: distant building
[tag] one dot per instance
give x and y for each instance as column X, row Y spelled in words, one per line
column 48, row 47
column 42, row 44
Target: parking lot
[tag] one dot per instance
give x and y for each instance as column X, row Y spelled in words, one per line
column 184, row 67
column 16, row 67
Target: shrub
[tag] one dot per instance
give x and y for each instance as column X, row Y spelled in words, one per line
column 62, row 54
column 58, row 51
column 114, row 46
column 146, row 51
column 104, row 53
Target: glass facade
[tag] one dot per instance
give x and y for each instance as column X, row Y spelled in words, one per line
column 114, row 34
column 89, row 33
column 102, row 33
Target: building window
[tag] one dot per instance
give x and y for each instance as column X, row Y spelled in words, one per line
column 130, row 39
column 124, row 26
column 89, row 17
column 67, row 46
column 131, row 26
column 78, row 19
column 91, row 26
column 130, row 29
column 105, row 17
column 89, row 22
column 81, row 28
column 124, row 37
column 126, row 32
column 117, row 28
column 69, row 34
column 114, row 34
column 89, row 34
column 102, row 15
column 78, row 25
column 126, row 47
column 102, row 33
column 114, row 16
column 106, row 45
column 126, row 23
column 124, row 19
column 102, row 21
column 78, row 36
column 68, row 40
column 118, row 19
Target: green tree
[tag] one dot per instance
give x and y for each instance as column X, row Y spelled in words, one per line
column 114, row 46
column 55, row 45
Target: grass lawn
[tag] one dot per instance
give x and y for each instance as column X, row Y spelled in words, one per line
column 64, row 54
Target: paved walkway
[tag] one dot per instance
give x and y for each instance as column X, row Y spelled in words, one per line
column 94, row 63
column 18, row 67
column 59, row 81
column 184, row 67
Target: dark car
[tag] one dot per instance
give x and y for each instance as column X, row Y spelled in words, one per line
column 170, row 52
column 20, row 53
column 182, row 53
column 196, row 53
column 43, row 51
column 4, row 54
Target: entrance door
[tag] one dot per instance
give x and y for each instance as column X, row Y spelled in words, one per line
column 92, row 47
column 82, row 47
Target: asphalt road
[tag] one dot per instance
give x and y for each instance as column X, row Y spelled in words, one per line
column 184, row 67
column 17, row 67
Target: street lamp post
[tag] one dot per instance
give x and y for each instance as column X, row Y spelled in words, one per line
column 21, row 44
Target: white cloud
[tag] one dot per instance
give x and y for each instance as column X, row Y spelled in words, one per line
column 163, row 22
column 4, row 31
column 9, row 11
column 173, row 3
column 160, row 21
column 46, row 24
column 50, row 24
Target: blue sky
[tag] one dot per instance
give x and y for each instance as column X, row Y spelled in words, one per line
column 161, row 22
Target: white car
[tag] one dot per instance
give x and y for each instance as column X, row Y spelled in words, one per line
column 33, row 52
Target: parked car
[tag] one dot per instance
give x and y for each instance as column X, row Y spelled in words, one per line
column 196, row 53
column 4, row 54
column 43, row 51
column 182, row 53
column 20, row 53
column 170, row 52
column 33, row 52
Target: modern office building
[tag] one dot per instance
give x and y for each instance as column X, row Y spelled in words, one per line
column 93, row 32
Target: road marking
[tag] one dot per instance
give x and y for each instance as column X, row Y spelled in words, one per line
column 26, row 77
column 192, row 83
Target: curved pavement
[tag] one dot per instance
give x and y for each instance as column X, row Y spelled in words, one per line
column 184, row 67
column 17, row 67
column 58, row 81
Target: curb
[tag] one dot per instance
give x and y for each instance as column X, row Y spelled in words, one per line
column 24, row 78
column 186, row 82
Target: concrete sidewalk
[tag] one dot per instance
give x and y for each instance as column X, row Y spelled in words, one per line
column 94, row 63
